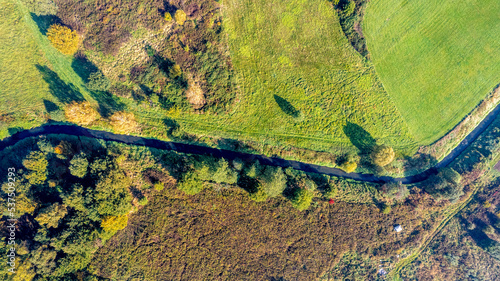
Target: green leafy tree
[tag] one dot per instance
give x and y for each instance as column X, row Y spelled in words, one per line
column 78, row 165
column 50, row 216
column 190, row 184
column 224, row 173
column 98, row 82
column 302, row 199
column 273, row 181
column 37, row 163
column 44, row 260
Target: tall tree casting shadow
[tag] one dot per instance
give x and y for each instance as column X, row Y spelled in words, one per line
column 65, row 93
column 286, row 107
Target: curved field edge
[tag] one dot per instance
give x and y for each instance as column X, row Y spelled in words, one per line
column 436, row 59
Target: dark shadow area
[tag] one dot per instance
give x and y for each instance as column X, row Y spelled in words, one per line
column 171, row 127
column 286, row 106
column 83, row 67
column 108, row 104
column 359, row 137
column 477, row 234
column 249, row 184
column 50, row 106
column 418, row 163
column 65, row 93
column 14, row 130
column 44, row 22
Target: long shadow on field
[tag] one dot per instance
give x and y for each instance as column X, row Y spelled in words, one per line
column 65, row 93
column 108, row 103
column 286, row 106
column 83, row 67
column 50, row 106
column 44, row 22
column 359, row 137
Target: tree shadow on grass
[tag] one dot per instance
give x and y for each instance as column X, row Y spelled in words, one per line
column 108, row 103
column 65, row 93
column 286, row 107
column 360, row 138
column 50, row 106
column 44, row 22
column 83, row 67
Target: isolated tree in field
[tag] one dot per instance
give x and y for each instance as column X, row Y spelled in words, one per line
column 81, row 113
column 41, row 7
column 180, row 17
column 382, row 155
column 123, row 122
column 98, row 82
column 63, row 39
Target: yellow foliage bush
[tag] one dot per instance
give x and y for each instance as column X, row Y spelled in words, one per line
column 167, row 16
column 81, row 113
column 63, row 39
column 382, row 155
column 63, row 148
column 123, row 122
column 180, row 17
column 349, row 167
column 114, row 223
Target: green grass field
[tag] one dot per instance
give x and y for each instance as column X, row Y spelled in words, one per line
column 436, row 59
column 33, row 75
column 300, row 79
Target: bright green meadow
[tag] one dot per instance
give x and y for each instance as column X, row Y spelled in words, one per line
column 437, row 59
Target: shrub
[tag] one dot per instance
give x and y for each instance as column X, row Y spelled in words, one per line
column 78, row 165
column 349, row 167
column 335, row 2
column 386, row 209
column 63, row 39
column 123, row 122
column 114, row 223
column 175, row 71
column 63, row 148
column 81, row 113
column 445, row 185
column 396, row 191
column 98, row 82
column 167, row 16
column 348, row 8
column 143, row 201
column 41, row 7
column 180, row 17
column 258, row 196
column 159, row 186
column 302, row 199
column 190, row 184
column 382, row 155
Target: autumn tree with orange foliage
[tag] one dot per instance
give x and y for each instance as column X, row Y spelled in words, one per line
column 63, row 39
column 81, row 113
